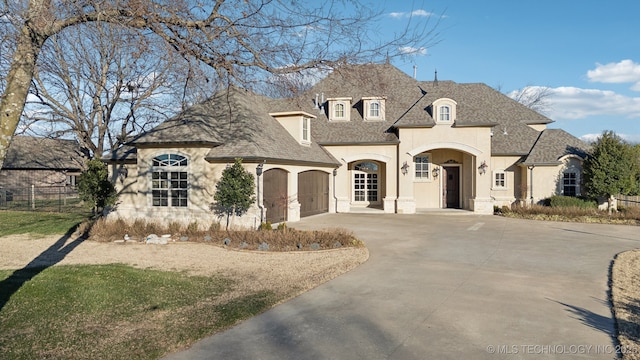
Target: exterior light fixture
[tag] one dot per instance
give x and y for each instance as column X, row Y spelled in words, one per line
column 404, row 168
column 259, row 169
column 335, row 172
column 482, row 168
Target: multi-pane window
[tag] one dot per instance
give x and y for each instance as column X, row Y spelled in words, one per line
column 305, row 129
column 421, row 164
column 169, row 180
column 338, row 111
column 365, row 182
column 445, row 113
column 500, row 179
column 570, row 184
column 374, row 109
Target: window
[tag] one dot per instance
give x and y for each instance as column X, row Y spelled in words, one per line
column 365, row 182
column 444, row 110
column 570, row 184
column 373, row 108
column 422, row 166
column 499, row 180
column 338, row 110
column 169, row 181
column 445, row 113
column 305, row 130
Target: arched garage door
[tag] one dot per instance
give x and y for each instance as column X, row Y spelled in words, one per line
column 275, row 197
column 313, row 192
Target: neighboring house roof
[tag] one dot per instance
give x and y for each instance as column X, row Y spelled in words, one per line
column 552, row 145
column 236, row 124
column 35, row 153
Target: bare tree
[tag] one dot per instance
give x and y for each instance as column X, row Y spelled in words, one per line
column 238, row 39
column 534, row 97
column 101, row 83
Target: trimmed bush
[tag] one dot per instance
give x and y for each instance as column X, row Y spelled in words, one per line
column 570, row 201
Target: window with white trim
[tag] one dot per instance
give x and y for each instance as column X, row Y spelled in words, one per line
column 306, row 130
column 339, row 109
column 570, row 184
column 169, row 181
column 499, row 180
column 373, row 108
column 445, row 113
column 422, row 166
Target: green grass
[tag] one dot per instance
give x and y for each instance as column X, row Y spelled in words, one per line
column 107, row 311
column 27, row 222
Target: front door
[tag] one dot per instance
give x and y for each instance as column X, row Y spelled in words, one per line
column 365, row 184
column 451, row 187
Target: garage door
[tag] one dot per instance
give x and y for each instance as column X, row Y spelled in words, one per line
column 313, row 192
column 275, row 197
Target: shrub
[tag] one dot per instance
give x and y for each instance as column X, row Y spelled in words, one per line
column 569, row 201
column 266, row 226
column 282, row 226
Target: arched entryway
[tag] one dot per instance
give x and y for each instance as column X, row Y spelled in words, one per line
column 275, row 196
column 313, row 192
column 365, row 183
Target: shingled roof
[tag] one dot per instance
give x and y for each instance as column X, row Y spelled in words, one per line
column 552, row 145
column 36, row 153
column 408, row 104
column 234, row 123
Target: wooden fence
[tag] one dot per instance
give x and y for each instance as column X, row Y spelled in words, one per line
column 627, row 201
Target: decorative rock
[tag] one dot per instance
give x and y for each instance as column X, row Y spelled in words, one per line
column 315, row 246
column 207, row 238
column 226, row 241
column 299, row 246
column 263, row 247
column 184, row 238
column 244, row 245
column 154, row 239
column 337, row 244
column 126, row 237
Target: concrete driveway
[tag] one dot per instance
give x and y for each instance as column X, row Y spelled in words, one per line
column 446, row 287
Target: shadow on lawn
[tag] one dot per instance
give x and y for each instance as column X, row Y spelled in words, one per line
column 53, row 255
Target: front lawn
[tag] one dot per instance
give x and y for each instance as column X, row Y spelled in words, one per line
column 115, row 311
column 31, row 222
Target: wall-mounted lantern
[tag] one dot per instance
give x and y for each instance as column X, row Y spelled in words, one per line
column 404, row 168
column 259, row 169
column 435, row 172
column 483, row 168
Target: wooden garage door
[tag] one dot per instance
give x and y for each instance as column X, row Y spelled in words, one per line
column 313, row 192
column 275, row 197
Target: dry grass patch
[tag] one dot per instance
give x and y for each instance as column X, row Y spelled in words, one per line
column 625, row 296
column 283, row 239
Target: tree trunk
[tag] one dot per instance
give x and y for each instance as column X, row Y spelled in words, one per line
column 19, row 78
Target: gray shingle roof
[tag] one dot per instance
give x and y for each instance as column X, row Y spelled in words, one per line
column 26, row 152
column 408, row 104
column 554, row 144
column 235, row 123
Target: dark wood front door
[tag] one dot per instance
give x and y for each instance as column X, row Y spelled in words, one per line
column 451, row 187
column 275, row 197
column 313, row 192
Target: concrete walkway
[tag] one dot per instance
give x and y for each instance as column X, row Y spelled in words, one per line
column 446, row 287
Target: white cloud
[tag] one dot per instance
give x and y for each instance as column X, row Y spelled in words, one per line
column 569, row 103
column 625, row 71
column 409, row 50
column 630, row 138
column 419, row 12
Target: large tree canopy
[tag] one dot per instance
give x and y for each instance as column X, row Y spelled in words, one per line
column 240, row 40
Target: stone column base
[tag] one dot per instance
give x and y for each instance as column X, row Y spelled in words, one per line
column 406, row 206
column 482, row 205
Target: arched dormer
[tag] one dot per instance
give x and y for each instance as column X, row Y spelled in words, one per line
column 444, row 111
column 339, row 109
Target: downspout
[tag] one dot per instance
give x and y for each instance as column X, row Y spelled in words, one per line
column 335, row 198
column 259, row 197
column 530, row 167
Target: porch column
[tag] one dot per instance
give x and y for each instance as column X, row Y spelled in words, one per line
column 406, row 204
column 293, row 206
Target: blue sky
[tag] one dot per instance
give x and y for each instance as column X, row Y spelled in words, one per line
column 587, row 52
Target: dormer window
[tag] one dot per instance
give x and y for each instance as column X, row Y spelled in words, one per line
column 339, row 109
column 373, row 108
column 306, row 130
column 444, row 110
column 297, row 123
column 445, row 113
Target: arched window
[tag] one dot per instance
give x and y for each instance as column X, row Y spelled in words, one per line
column 445, row 113
column 374, row 109
column 338, row 111
column 169, row 180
